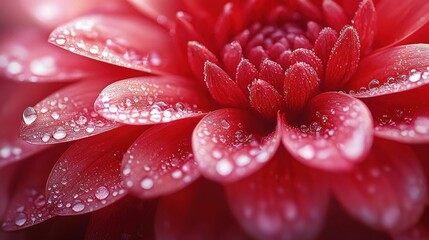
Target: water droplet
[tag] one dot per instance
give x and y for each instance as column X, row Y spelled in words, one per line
column 60, row 133
column 44, row 66
column 146, row 183
column 78, row 207
column 101, row 193
column 94, row 49
column 55, row 115
column 224, row 167
column 14, row 68
column 20, row 219
column 415, row 77
column 60, row 39
column 306, row 152
column 29, row 115
column 46, row 137
column 90, row 128
column 225, row 124
column 177, row 174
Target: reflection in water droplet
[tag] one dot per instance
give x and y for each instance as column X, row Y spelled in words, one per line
column 20, row 219
column 224, row 167
column 101, row 193
column 29, row 115
column 78, row 207
column 60, row 133
column 146, row 183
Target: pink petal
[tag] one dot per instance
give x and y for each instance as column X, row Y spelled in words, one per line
column 343, row 60
column 66, row 115
column 283, row 200
column 365, row 23
column 28, row 205
column 197, row 212
column 230, row 144
column 402, row 116
column 399, row 19
column 404, row 66
column 387, row 191
column 113, row 38
column 27, row 56
column 13, row 148
column 161, row 161
column 337, row 135
column 87, row 176
column 127, row 217
column 162, row 11
column 51, row 13
column 149, row 100
column 218, row 83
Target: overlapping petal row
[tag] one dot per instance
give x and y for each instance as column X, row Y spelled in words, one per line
column 267, row 106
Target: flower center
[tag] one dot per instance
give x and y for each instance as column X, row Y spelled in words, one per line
column 274, row 66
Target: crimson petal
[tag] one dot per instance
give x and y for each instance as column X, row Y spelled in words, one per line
column 283, row 200
column 387, row 191
column 325, row 43
column 398, row 69
column 28, row 205
column 197, row 56
column 337, row 136
column 87, row 175
column 197, row 212
column 334, row 14
column 149, row 100
column 403, row 116
column 123, row 40
column 66, row 115
column 162, row 11
column 343, row 60
column 161, row 161
column 399, row 19
column 26, row 56
column 365, row 23
column 222, row 88
column 229, row 144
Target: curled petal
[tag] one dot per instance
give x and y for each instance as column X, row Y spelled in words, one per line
column 334, row 14
column 343, row 60
column 87, row 175
column 365, row 23
column 149, row 100
column 403, row 116
column 265, row 99
column 197, row 56
column 161, row 161
column 309, row 57
column 246, row 73
column 399, row 19
column 229, row 144
column 337, row 135
column 219, row 83
column 272, row 73
column 65, row 116
column 398, row 69
column 113, row 38
column 283, row 200
column 26, row 56
column 28, row 205
column 325, row 43
column 387, row 191
column 199, row 211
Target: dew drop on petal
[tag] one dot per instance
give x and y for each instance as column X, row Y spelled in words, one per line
column 78, row 207
column 60, row 133
column 146, row 183
column 29, row 115
column 306, row 152
column 224, row 167
column 20, row 219
column 101, row 193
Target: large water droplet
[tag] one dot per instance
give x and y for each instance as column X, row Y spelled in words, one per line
column 20, row 219
column 29, row 115
column 224, row 167
column 60, row 133
column 78, row 207
column 146, row 183
column 101, row 193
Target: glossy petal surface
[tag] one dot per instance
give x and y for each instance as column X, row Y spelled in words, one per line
column 149, row 100
column 337, row 134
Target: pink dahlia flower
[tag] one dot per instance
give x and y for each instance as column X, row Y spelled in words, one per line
column 192, row 119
